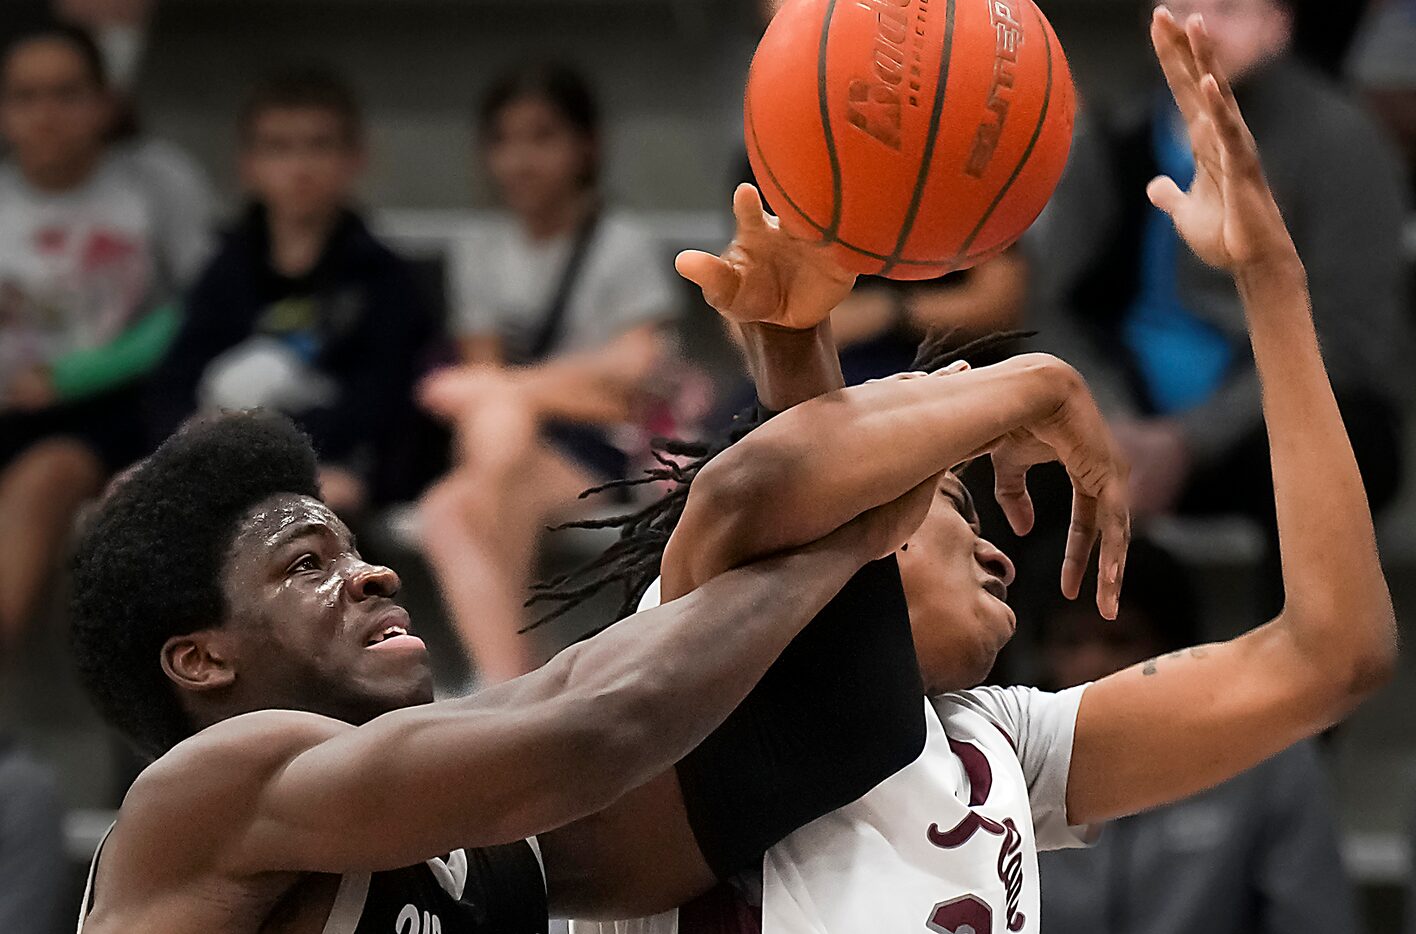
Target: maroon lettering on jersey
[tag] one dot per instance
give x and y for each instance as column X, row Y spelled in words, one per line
column 964, row 915
column 1010, row 852
column 976, row 767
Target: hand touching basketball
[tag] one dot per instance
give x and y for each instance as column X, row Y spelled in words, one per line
column 1228, row 217
column 766, row 275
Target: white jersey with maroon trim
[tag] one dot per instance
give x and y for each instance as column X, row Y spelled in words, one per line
column 948, row 844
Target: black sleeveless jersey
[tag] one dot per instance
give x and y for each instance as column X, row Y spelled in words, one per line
column 492, row 890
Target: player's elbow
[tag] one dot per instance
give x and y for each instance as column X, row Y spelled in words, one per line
column 1355, row 664
column 730, row 508
column 1374, row 666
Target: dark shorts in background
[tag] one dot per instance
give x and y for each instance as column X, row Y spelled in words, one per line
column 588, row 447
column 111, row 425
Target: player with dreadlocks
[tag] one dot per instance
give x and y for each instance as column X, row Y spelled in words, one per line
column 949, row 843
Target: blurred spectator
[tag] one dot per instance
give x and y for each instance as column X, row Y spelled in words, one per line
column 1383, row 65
column 1256, row 855
column 1323, row 30
column 562, row 306
column 31, row 843
column 1162, row 336
column 96, row 241
column 119, row 26
column 302, row 310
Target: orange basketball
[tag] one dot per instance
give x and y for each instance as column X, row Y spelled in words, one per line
column 915, row 136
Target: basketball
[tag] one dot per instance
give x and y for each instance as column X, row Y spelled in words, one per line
column 916, row 137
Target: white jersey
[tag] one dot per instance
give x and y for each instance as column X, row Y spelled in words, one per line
column 948, row 844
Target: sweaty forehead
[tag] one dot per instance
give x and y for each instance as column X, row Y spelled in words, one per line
column 279, row 518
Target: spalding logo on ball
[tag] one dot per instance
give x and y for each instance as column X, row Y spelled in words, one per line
column 916, row 137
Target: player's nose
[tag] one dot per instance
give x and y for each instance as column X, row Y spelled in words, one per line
column 995, row 561
column 372, row 580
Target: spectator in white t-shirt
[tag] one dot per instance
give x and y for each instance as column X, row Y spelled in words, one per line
column 97, row 240
column 561, row 306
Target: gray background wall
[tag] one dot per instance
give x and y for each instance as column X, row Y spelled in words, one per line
column 670, row 73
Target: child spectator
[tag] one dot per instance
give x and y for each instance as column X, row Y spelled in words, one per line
column 96, row 241
column 302, row 310
column 562, row 310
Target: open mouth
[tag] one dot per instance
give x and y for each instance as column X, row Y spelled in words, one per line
column 392, row 633
column 388, row 632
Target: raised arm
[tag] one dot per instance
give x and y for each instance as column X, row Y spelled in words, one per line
column 831, row 458
column 778, row 292
column 1175, row 725
column 303, row 793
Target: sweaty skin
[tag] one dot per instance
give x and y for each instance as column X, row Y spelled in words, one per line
column 242, row 827
column 1171, row 727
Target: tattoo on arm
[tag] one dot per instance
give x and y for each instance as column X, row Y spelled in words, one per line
column 1197, row 652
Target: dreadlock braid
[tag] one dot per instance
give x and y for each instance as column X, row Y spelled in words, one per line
column 632, row 563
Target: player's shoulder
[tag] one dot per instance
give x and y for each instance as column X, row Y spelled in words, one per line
column 1017, row 711
column 186, row 813
column 227, row 763
column 990, row 700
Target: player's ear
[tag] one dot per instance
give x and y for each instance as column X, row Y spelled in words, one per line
column 199, row 661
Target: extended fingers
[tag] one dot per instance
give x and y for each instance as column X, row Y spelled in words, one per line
column 714, row 275
column 1203, row 48
column 1010, row 489
column 1115, row 541
column 747, row 208
column 1165, row 194
column 1081, row 538
column 1234, row 136
column 1177, row 61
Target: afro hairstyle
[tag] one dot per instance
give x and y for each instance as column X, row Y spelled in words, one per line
column 150, row 563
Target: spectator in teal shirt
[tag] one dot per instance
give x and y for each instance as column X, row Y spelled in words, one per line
column 96, row 241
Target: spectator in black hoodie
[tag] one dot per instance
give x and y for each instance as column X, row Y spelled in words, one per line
column 303, row 310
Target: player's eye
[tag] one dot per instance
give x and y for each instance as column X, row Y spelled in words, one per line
column 306, row 562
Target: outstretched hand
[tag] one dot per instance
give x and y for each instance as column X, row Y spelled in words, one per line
column 1228, row 217
column 767, row 276
column 1077, row 437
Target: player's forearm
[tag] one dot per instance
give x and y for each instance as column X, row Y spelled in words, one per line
column 691, row 662
column 1337, row 607
column 604, row 716
column 790, row 366
column 826, row 461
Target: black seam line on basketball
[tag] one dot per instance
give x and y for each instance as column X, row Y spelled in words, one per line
column 824, row 103
column 1032, row 143
column 800, row 212
column 756, row 144
column 927, row 159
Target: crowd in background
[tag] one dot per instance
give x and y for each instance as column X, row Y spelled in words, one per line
column 549, row 357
